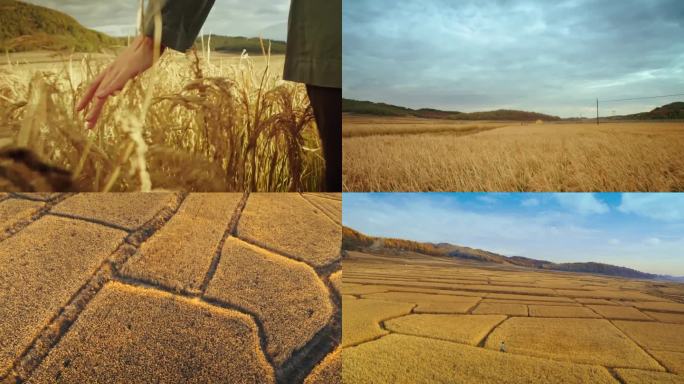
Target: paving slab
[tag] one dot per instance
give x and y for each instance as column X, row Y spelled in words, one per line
column 329, row 371
column 41, row 267
column 130, row 334
column 635, row 376
column 662, row 336
column 465, row 329
column 13, row 211
column 126, row 210
column 288, row 224
column 179, row 255
column 403, row 359
column 286, row 295
column 585, row 341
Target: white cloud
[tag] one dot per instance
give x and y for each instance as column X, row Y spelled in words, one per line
column 652, row 241
column 489, row 199
column 582, row 203
column 614, row 241
column 657, row 206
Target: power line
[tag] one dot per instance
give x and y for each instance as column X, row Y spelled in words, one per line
column 642, row 98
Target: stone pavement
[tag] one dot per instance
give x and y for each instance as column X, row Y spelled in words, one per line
column 170, row 287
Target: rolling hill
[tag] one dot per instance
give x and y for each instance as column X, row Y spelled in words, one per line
column 357, row 241
column 672, row 111
column 383, row 109
column 235, row 44
column 25, row 27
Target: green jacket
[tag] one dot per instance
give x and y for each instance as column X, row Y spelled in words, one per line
column 314, row 38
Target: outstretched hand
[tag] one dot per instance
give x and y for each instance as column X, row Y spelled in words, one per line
column 133, row 60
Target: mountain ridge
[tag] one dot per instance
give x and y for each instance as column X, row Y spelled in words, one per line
column 384, row 109
column 357, row 241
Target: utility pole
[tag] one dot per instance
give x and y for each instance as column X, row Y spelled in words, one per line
column 597, row 112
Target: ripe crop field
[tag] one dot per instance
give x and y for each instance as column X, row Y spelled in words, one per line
column 556, row 327
column 197, row 122
column 413, row 154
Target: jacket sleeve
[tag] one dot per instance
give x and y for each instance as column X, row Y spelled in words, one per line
column 181, row 21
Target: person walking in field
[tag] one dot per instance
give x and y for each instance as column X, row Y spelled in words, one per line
column 502, row 347
column 313, row 57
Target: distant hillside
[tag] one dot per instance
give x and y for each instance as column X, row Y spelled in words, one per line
column 356, row 241
column 26, row 27
column 382, row 109
column 672, row 111
column 231, row 44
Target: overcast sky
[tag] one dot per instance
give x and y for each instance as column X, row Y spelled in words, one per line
column 554, row 57
column 253, row 18
column 640, row 231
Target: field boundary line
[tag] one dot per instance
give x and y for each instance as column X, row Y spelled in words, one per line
column 55, row 329
column 35, row 216
column 315, row 205
column 228, row 232
column 642, row 347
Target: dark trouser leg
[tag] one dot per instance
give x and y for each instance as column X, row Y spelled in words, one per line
column 327, row 106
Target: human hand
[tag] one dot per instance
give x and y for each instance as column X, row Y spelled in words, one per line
column 135, row 59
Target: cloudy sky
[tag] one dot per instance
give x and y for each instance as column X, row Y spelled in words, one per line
column 554, row 57
column 640, row 231
column 253, row 18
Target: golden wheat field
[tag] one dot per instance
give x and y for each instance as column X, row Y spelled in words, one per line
column 555, row 327
column 413, row 154
column 200, row 121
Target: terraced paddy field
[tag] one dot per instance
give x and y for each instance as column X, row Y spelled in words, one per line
column 411, row 318
column 170, row 287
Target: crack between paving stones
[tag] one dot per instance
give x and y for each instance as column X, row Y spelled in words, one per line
column 46, row 340
column 318, row 207
column 229, row 231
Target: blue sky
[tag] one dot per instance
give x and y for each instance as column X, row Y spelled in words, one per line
column 266, row 18
column 554, row 57
column 640, row 231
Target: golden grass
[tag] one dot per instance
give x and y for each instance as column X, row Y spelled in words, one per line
column 623, row 156
column 511, row 309
column 465, row 329
column 561, row 311
column 637, row 376
column 430, row 303
column 186, row 124
column 362, row 126
column 618, row 312
column 560, row 333
column 402, row 359
column 361, row 318
column 661, row 336
column 585, row 341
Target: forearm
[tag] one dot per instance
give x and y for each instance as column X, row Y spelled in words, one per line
column 182, row 21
